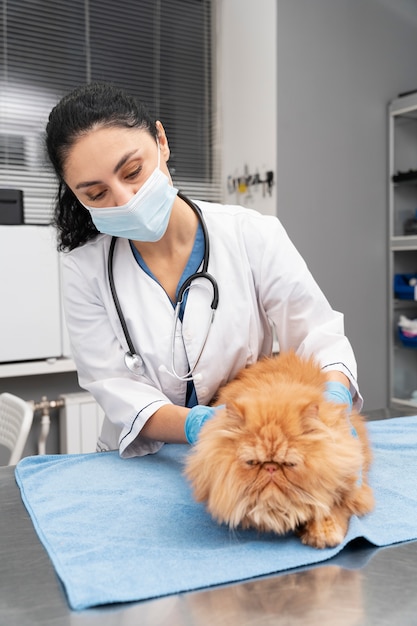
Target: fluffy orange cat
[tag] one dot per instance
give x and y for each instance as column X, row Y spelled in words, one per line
column 280, row 457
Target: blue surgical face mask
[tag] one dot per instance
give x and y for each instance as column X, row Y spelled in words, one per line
column 145, row 217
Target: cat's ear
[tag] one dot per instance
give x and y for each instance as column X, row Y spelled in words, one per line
column 310, row 417
column 311, row 411
column 235, row 412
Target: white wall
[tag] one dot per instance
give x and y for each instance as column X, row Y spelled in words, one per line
column 247, row 70
column 339, row 64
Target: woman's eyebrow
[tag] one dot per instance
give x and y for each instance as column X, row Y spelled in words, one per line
column 120, row 164
column 123, row 160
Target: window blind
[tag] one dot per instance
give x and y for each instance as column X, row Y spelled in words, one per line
column 158, row 50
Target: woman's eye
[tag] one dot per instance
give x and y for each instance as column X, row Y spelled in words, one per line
column 96, row 196
column 134, row 173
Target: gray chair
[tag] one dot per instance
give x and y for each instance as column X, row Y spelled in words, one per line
column 16, row 417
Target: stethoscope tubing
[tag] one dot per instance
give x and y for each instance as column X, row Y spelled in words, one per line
column 116, row 297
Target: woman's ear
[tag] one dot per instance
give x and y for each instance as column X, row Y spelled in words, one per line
column 163, row 141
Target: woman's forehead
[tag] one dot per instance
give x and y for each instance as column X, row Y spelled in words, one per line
column 101, row 149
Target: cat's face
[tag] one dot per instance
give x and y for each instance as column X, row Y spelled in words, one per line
column 273, row 460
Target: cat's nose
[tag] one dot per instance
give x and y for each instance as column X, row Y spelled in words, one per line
column 270, row 467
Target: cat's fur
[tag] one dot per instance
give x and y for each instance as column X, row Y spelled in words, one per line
column 280, row 457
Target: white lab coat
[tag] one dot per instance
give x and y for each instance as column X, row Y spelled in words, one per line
column 262, row 281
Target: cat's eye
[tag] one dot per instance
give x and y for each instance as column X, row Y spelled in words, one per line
column 289, row 464
column 252, row 462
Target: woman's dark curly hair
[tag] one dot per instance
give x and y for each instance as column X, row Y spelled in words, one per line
column 87, row 107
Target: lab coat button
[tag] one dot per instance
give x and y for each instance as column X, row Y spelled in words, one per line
column 203, row 391
column 187, row 335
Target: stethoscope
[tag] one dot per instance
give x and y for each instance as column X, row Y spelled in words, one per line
column 132, row 358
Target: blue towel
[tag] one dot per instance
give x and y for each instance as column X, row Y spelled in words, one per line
column 127, row 530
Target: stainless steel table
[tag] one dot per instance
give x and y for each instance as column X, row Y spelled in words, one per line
column 360, row 586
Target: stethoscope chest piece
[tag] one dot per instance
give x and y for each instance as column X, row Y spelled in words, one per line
column 134, row 363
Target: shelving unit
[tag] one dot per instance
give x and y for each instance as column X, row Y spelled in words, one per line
column 402, row 246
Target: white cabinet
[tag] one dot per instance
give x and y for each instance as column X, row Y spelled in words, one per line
column 31, row 322
column 402, row 250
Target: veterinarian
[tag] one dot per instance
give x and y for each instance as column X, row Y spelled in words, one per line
column 166, row 298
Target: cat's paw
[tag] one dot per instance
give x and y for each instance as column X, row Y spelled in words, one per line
column 326, row 533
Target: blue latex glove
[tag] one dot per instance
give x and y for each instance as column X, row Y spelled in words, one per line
column 195, row 420
column 338, row 393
